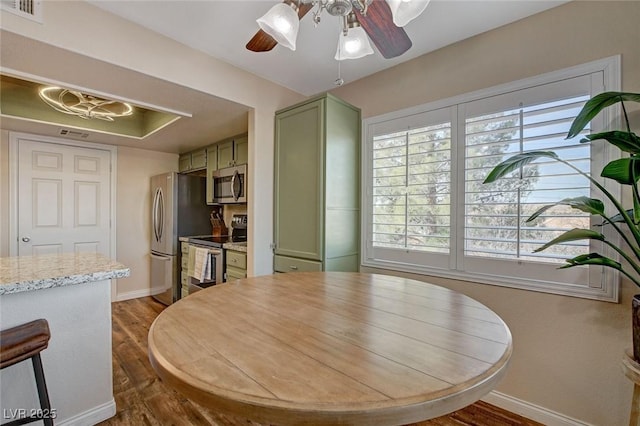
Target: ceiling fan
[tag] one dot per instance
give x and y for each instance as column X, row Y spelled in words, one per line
column 380, row 20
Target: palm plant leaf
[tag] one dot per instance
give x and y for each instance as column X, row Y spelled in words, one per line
column 596, row 104
column 588, row 205
column 592, row 259
column 625, row 170
column 617, row 218
column 627, row 142
column 572, row 235
column 515, row 162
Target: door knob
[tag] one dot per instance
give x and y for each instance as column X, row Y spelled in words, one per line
column 26, row 239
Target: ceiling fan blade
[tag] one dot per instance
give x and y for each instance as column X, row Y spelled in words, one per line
column 263, row 42
column 390, row 40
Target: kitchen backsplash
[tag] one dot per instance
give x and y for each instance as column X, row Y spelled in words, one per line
column 230, row 210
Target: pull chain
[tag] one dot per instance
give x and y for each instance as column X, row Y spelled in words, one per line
column 339, row 81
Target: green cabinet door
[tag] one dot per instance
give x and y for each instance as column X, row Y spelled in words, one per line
column 184, row 163
column 241, row 149
column 299, row 181
column 199, row 159
column 212, row 166
column 225, row 154
column 233, row 152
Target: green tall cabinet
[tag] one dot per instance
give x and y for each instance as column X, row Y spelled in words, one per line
column 317, row 186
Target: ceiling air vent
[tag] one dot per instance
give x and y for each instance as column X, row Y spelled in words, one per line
column 31, row 9
column 73, row 134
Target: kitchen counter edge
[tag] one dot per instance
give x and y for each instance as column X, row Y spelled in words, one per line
column 31, row 273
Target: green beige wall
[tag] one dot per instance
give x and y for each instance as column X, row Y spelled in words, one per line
column 567, row 351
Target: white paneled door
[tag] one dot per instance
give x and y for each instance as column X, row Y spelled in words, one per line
column 63, row 198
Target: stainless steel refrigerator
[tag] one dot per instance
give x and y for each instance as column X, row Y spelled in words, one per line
column 178, row 209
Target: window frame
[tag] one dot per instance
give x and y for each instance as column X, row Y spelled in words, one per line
column 606, row 289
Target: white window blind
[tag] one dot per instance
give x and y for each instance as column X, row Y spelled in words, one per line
column 426, row 207
column 412, row 188
column 496, row 214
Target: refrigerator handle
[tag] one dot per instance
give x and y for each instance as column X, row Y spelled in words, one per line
column 154, row 215
column 158, row 214
column 155, row 256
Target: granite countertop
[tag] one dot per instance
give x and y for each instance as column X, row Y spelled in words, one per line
column 29, row 273
column 235, row 246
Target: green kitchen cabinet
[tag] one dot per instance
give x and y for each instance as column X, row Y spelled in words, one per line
column 199, row 159
column 233, row 152
column 317, row 186
column 236, row 263
column 184, row 163
column 193, row 161
column 241, row 149
column 212, row 166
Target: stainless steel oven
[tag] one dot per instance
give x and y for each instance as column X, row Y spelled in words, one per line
column 230, row 185
column 215, row 259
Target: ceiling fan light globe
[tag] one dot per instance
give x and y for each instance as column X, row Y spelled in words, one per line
column 282, row 23
column 405, row 11
column 354, row 45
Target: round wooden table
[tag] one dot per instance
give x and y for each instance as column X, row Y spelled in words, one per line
column 330, row 348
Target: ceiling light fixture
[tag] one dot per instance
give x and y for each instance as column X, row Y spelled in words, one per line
column 281, row 22
column 353, row 42
column 83, row 105
column 405, row 11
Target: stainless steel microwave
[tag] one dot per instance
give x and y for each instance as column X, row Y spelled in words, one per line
column 230, row 185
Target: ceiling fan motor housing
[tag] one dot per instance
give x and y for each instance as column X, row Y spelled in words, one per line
column 339, row 7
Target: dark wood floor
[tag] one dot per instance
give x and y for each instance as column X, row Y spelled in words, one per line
column 142, row 399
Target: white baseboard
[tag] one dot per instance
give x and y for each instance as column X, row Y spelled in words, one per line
column 92, row 416
column 135, row 294
column 531, row 411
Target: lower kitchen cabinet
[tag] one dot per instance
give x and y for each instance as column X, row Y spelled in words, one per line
column 184, row 272
column 292, row 264
column 236, row 265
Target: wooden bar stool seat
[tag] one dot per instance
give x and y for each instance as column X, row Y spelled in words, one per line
column 23, row 342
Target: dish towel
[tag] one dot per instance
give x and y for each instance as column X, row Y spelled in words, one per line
column 202, row 264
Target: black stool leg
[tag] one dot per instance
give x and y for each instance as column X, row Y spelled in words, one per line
column 43, row 395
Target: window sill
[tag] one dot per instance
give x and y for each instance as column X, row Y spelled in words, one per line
column 503, row 281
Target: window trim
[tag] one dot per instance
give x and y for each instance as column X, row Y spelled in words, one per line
column 609, row 291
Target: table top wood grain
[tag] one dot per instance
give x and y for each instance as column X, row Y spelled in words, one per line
column 330, row 348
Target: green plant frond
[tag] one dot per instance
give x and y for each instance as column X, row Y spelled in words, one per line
column 592, row 259
column 624, row 170
column 515, row 162
column 572, row 235
column 596, row 104
column 627, row 142
column 585, row 204
column 616, row 219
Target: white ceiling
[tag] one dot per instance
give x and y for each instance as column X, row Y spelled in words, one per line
column 222, row 29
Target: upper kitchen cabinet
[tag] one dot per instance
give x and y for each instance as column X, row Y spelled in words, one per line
column 212, row 166
column 317, row 186
column 233, row 152
column 184, row 163
column 193, row 161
